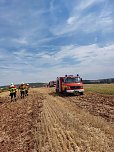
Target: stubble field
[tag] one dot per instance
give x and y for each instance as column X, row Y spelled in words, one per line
column 45, row 121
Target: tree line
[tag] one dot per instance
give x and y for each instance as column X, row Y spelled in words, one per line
column 99, row 81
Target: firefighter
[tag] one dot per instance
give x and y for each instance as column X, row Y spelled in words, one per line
column 22, row 90
column 13, row 90
column 26, row 89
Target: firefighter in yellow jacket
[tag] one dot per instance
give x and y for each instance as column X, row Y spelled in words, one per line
column 13, row 90
column 22, row 90
column 26, row 89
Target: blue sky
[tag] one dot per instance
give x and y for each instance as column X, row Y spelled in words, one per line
column 43, row 39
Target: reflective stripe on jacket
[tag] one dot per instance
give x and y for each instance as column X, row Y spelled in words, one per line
column 12, row 90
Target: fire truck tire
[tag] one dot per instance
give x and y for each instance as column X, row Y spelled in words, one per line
column 81, row 93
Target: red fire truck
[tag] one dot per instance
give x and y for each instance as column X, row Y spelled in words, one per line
column 52, row 84
column 70, row 84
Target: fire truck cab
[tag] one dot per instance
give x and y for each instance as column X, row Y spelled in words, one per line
column 70, row 84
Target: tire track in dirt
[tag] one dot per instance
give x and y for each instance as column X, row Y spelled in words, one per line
column 61, row 137
column 61, row 140
column 69, row 141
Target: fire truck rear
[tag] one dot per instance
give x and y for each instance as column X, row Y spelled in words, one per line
column 70, row 84
column 52, row 84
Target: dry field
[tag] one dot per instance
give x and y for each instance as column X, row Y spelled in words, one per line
column 100, row 88
column 47, row 122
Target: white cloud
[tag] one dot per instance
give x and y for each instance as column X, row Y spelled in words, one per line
column 86, row 54
column 86, row 24
column 22, row 40
column 84, row 4
column 71, row 20
column 46, row 56
column 94, row 62
column 81, row 19
column 21, row 53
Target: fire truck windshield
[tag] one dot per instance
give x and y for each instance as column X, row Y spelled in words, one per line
column 72, row 80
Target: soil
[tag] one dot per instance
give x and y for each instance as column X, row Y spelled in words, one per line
column 47, row 122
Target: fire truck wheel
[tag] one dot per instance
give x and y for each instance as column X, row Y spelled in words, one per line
column 81, row 93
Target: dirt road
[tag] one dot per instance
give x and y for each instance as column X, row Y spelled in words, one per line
column 44, row 122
